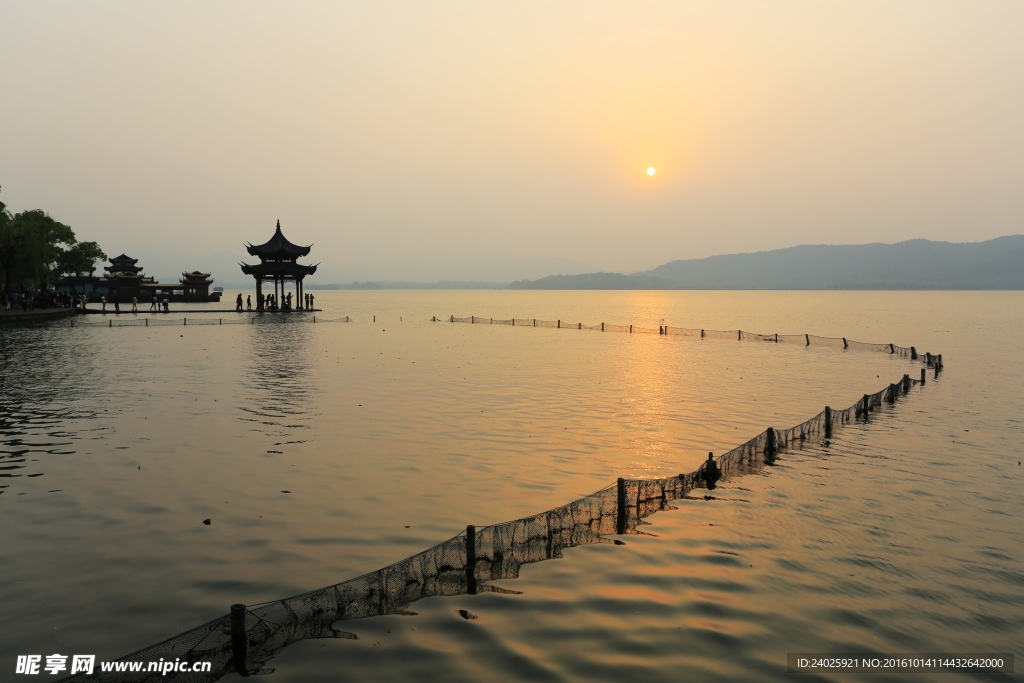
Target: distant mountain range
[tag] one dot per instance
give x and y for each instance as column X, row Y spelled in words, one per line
column 914, row 264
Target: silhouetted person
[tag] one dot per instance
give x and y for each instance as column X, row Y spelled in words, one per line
column 311, row 301
column 238, row 302
column 248, row 301
column 709, row 472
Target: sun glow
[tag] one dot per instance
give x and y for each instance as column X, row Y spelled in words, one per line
column 651, row 170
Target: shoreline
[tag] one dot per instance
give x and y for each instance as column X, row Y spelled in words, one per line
column 36, row 315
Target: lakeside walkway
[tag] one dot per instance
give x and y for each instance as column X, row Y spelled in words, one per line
column 146, row 311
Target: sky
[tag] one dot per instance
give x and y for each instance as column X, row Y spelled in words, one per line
column 495, row 141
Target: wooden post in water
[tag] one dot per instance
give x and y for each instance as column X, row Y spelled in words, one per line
column 913, row 353
column 807, row 338
column 828, row 422
column 184, row 321
column 111, row 321
column 620, row 514
column 631, row 329
column 702, row 334
column 845, row 344
column 866, row 406
column 776, row 337
column 471, row 559
column 739, row 335
column 924, row 373
column 602, row 327
column 906, row 384
column 147, row 322
column 892, row 393
column 559, row 324
column 771, row 446
column 892, row 349
column 238, row 639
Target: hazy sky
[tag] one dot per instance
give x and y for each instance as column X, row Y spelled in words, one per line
column 422, row 140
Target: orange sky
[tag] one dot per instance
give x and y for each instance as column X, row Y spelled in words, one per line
column 398, row 134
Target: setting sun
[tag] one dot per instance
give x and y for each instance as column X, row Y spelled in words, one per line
column 651, row 170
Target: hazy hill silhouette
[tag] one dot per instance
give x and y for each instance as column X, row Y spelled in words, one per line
column 914, row 264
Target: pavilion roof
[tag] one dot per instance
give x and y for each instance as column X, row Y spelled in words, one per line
column 278, row 269
column 195, row 278
column 278, row 247
column 123, row 264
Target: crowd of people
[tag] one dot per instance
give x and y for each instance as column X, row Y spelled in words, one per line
column 270, row 302
column 30, row 298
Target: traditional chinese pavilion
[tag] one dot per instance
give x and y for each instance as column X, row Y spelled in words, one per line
column 124, row 277
column 278, row 262
column 124, row 280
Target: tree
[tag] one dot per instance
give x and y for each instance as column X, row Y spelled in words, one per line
column 35, row 246
column 79, row 259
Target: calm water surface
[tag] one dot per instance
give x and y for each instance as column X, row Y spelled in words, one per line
column 320, row 452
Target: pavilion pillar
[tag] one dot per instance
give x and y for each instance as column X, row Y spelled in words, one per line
column 259, row 293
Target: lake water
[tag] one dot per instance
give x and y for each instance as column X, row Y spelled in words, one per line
column 320, row 452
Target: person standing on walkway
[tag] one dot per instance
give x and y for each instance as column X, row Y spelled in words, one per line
column 238, row 302
column 135, row 304
column 248, row 302
column 103, row 299
column 153, row 306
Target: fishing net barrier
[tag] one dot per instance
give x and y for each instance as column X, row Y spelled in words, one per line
column 244, row 640
column 160, row 321
column 695, row 333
